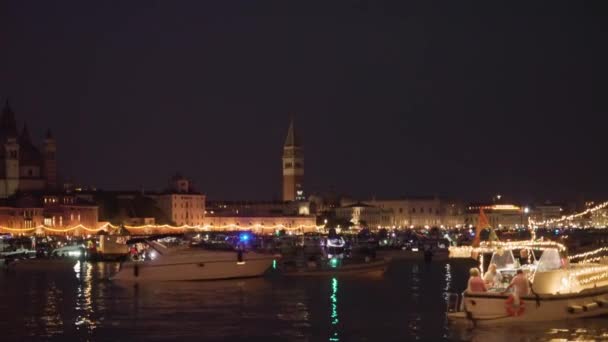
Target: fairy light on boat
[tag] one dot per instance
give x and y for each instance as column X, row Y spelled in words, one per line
column 589, row 253
column 590, row 274
column 334, row 308
column 569, row 217
column 488, row 247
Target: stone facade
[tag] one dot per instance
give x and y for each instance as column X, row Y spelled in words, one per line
column 181, row 204
column 415, row 212
column 23, row 166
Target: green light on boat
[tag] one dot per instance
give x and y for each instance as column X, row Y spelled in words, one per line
column 274, row 264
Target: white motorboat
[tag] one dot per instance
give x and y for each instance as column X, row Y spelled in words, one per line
column 73, row 251
column 19, row 253
column 175, row 264
column 559, row 290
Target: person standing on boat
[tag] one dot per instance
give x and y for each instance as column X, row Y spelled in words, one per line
column 520, row 285
column 475, row 284
column 492, row 277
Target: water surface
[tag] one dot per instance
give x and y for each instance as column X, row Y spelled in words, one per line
column 407, row 304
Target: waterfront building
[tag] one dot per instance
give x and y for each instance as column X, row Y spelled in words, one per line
column 293, row 167
column 181, row 203
column 545, row 212
column 262, row 224
column 62, row 210
column 259, row 208
column 364, row 215
column 23, row 165
column 417, row 211
column 413, row 211
column 54, row 210
column 21, row 213
column 599, row 218
column 498, row 215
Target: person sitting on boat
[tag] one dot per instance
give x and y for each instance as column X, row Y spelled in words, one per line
column 476, row 284
column 520, row 285
column 492, row 277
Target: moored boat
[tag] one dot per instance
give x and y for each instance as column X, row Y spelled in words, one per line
column 187, row 263
column 559, row 290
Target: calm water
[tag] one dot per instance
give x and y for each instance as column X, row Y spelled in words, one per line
column 407, row 304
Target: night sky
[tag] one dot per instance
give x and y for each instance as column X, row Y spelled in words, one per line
column 390, row 98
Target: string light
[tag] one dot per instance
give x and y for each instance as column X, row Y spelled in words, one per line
column 589, row 275
column 489, row 247
column 569, row 217
column 590, row 253
column 206, row 227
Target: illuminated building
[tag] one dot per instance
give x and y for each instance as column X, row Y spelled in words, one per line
column 293, row 167
column 599, row 218
column 53, row 210
column 364, row 215
column 546, row 212
column 499, row 215
column 23, row 166
column 21, row 217
column 181, row 203
column 262, row 224
column 65, row 210
column 258, row 208
column 417, row 212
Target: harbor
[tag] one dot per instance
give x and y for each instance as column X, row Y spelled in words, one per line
column 303, row 171
column 409, row 302
column 306, row 286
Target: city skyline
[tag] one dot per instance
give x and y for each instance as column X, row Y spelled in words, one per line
column 387, row 106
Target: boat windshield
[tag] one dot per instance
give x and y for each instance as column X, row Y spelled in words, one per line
column 503, row 259
column 550, row 260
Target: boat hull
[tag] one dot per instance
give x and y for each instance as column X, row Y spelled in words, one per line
column 490, row 309
column 191, row 270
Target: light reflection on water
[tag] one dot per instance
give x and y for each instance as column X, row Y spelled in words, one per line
column 409, row 303
column 334, row 336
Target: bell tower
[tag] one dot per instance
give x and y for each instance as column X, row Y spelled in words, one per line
column 293, row 167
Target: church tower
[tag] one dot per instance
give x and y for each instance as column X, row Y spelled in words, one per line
column 50, row 162
column 10, row 152
column 293, row 167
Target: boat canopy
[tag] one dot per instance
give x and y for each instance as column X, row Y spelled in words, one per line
column 551, row 260
column 503, row 259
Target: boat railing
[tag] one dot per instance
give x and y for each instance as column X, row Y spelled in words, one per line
column 453, row 302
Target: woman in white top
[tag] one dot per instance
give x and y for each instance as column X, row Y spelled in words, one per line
column 492, row 277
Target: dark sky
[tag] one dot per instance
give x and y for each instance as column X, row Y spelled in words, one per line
column 391, row 98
